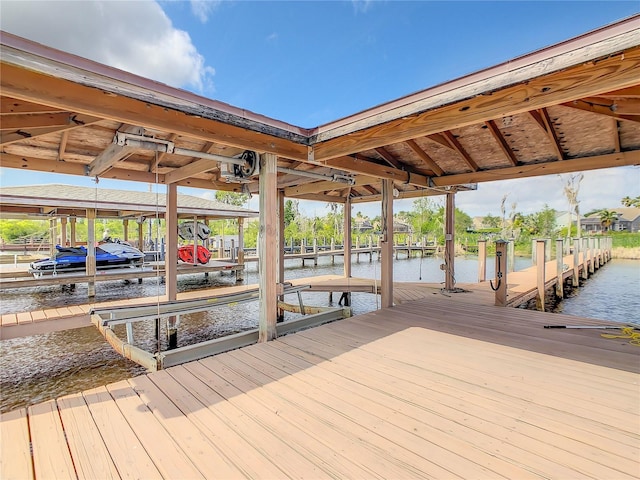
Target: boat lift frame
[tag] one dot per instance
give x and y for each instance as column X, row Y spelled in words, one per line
column 105, row 319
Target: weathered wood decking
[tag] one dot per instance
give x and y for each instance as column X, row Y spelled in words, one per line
column 434, row 388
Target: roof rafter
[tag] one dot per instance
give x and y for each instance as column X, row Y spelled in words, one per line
column 457, row 146
column 551, row 133
column 504, row 146
column 424, row 156
column 600, row 109
column 76, row 121
column 390, row 159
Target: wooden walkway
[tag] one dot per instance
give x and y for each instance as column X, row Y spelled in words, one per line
column 434, row 388
column 522, row 287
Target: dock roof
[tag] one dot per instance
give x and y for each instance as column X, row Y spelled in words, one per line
column 71, row 200
column 569, row 107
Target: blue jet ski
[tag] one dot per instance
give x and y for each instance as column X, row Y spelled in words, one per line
column 108, row 255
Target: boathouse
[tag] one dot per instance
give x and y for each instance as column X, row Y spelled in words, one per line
column 353, row 399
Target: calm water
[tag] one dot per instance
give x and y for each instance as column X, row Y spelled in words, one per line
column 41, row 367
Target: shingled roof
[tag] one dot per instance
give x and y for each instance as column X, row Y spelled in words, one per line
column 73, row 200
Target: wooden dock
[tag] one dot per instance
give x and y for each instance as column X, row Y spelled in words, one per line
column 522, row 288
column 434, row 388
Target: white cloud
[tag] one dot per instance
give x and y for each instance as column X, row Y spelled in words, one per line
column 135, row 36
column 361, row 6
column 203, row 8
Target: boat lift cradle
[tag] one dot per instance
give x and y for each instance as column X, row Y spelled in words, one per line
column 105, row 319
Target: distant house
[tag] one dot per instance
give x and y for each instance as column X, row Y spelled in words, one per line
column 628, row 221
column 564, row 219
column 401, row 227
column 362, row 225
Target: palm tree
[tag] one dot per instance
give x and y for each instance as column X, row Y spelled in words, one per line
column 607, row 217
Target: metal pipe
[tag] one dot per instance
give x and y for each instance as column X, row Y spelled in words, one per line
column 336, row 177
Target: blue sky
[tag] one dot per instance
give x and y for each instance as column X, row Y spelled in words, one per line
column 309, row 63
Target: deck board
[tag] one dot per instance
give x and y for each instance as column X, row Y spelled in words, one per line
column 51, row 456
column 15, row 450
column 90, row 455
column 436, row 387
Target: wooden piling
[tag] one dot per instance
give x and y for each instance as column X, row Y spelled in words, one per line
column 559, row 268
column 482, row 260
column 540, row 270
column 500, row 282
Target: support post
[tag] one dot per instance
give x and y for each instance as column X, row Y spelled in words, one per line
column 269, row 247
column 240, row 272
column 540, row 274
column 347, row 238
column 592, row 256
column 575, row 279
column 125, row 229
column 63, row 231
column 500, row 285
column 90, row 265
column 449, row 244
column 53, row 236
column 560, row 268
column 386, row 275
column 332, row 248
column 140, row 222
column 280, row 257
column 72, row 228
column 482, row 260
column 315, row 252
column 170, row 260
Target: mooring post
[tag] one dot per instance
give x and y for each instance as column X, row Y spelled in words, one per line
column 315, row 252
column 533, row 251
column 547, row 250
column 560, row 268
column 540, row 273
column 592, row 257
column 482, row 260
column 333, row 247
column 500, row 285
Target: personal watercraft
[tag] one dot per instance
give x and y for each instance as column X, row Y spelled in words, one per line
column 109, row 254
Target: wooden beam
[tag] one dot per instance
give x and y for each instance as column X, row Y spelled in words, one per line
column 194, row 168
column 502, row 143
column 431, row 163
column 10, row 106
column 63, row 145
column 171, row 257
column 631, row 92
column 108, row 158
column 600, row 110
column 29, row 85
column 268, row 247
column 621, row 106
column 78, row 121
column 346, row 241
column 449, row 241
column 439, row 139
column 25, row 121
column 318, row 197
column 457, row 146
column 390, row 159
column 386, row 245
column 566, row 85
column 357, row 165
column 68, row 168
column 326, row 186
column 549, row 168
column 371, row 189
column 616, row 135
column 112, row 154
column 551, row 133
